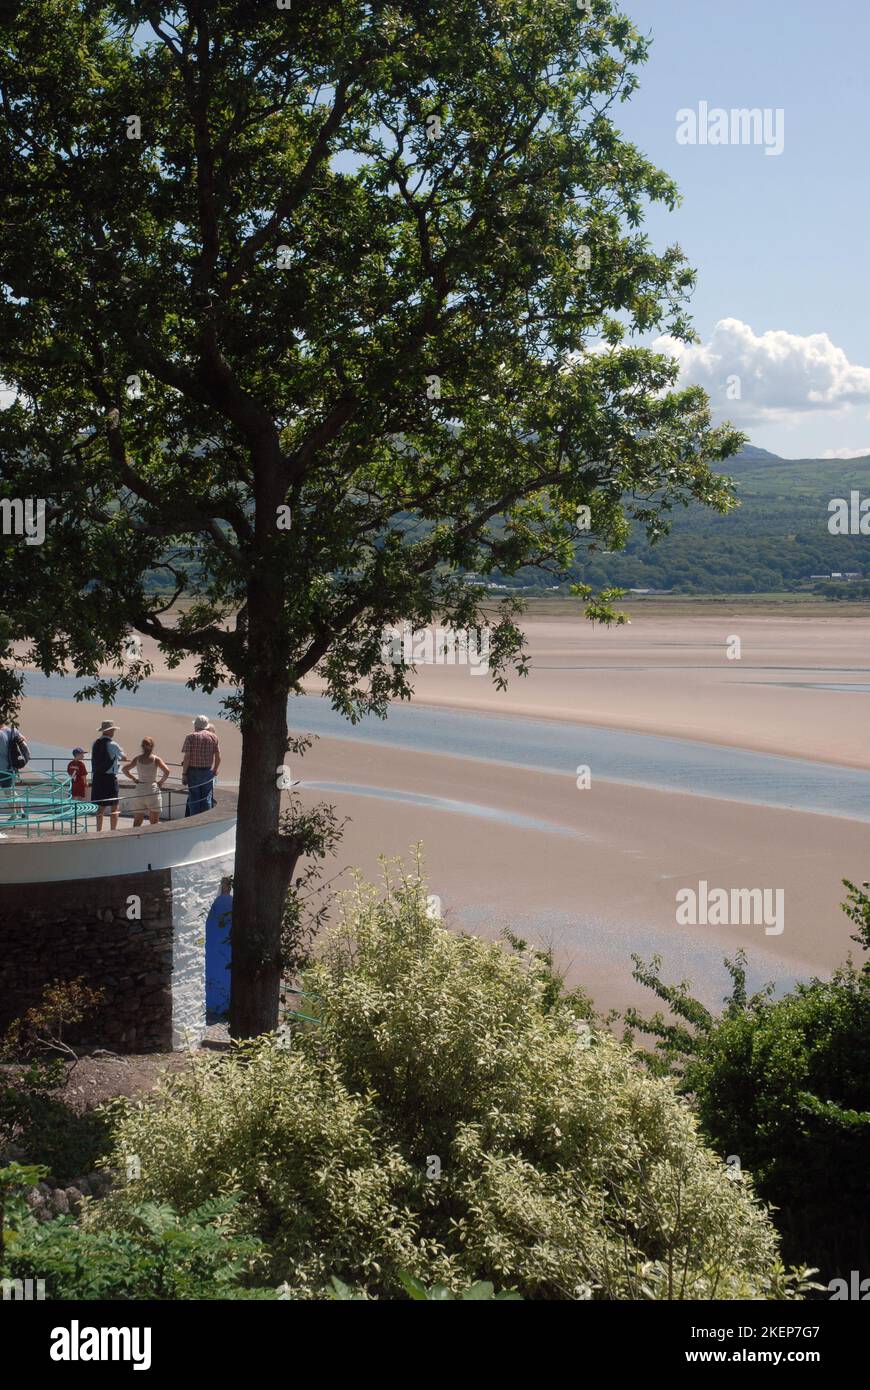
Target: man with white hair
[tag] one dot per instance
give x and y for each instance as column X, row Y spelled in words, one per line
column 200, row 760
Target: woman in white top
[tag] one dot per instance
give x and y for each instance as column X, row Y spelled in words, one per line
column 151, row 773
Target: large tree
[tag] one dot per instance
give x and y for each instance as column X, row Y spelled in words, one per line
column 315, row 308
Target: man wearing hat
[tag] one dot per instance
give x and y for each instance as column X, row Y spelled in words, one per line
column 200, row 760
column 106, row 757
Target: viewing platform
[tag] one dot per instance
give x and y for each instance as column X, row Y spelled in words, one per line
column 125, row 909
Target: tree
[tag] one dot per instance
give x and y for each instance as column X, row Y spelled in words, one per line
column 299, row 306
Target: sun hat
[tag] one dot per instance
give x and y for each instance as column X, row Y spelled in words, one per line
column 106, row 725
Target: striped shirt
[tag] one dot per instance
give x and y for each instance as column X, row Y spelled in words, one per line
column 201, row 748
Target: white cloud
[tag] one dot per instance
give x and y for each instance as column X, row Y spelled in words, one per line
column 845, row 453
column 775, row 376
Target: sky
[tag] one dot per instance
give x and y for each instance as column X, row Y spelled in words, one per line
column 780, row 242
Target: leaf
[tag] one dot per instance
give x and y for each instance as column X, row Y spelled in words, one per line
column 413, row 1288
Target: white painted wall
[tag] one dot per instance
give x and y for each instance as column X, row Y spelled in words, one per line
column 163, row 846
column 194, row 889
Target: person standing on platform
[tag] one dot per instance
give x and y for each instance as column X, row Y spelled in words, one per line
column 151, row 773
column 14, row 754
column 106, row 757
column 77, row 770
column 200, row 760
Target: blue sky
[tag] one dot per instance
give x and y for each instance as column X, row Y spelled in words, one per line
column 780, row 242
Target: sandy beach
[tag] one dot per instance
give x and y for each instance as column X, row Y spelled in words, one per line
column 594, row 872
column 669, row 672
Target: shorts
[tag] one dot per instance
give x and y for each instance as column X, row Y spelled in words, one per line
column 104, row 788
column 145, row 797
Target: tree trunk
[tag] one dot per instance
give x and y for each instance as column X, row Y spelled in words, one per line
column 264, row 862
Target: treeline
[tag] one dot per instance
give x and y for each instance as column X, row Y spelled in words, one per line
column 776, row 540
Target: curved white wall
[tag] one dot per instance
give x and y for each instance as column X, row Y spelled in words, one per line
column 52, row 859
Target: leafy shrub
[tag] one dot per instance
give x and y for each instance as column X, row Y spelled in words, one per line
column 157, row 1255
column 785, row 1086
column 448, row 1121
column 45, row 1128
column 62, row 1005
column 481, row 1292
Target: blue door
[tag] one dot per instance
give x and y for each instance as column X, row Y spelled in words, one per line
column 218, row 950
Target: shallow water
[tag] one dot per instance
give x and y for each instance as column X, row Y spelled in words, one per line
column 580, row 940
column 444, row 803
column 649, row 760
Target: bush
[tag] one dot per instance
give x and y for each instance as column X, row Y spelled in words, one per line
column 784, row 1085
column 158, row 1255
column 786, row 1089
column 447, row 1121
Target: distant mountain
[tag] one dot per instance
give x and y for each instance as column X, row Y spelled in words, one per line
column 752, row 451
column 776, row 541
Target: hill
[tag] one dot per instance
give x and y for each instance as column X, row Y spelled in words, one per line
column 776, row 540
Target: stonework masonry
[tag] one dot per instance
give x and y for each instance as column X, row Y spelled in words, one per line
column 60, row 931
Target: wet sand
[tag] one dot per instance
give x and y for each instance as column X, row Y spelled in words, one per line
column 669, row 673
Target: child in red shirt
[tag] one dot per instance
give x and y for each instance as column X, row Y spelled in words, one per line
column 79, row 773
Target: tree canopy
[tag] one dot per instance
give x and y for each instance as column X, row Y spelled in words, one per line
column 307, row 313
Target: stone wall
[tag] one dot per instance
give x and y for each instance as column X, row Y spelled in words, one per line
column 97, row 929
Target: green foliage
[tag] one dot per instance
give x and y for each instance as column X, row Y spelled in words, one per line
column 552, row 980
column 563, row 1169
column 857, row 908
column 481, row 1292
column 316, row 832
column 155, row 1255
column 683, row 1032
column 785, row 1086
column 774, row 541
column 284, row 261
column 14, row 1179
column 41, row 1029
column 417, row 1292
column 48, row 1130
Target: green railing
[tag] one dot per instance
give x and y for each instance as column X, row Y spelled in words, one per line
column 33, row 803
column 297, row 1013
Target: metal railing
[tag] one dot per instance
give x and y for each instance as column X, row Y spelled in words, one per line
column 38, row 799
column 31, row 803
